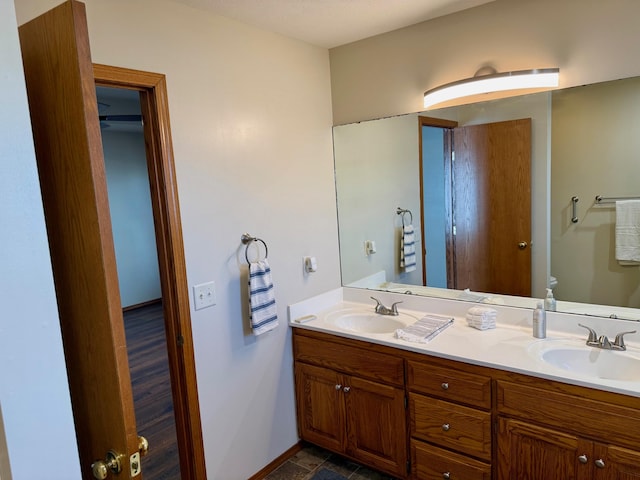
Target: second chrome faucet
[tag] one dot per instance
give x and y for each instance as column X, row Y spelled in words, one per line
column 603, row 341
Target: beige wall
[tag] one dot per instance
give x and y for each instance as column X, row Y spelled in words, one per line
column 594, row 152
column 251, row 125
column 589, row 40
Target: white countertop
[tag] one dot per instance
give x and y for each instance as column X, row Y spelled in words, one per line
column 510, row 346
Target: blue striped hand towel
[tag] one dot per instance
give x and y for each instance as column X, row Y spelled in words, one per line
column 262, row 302
column 407, row 249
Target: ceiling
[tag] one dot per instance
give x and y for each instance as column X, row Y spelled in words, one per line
column 330, row 23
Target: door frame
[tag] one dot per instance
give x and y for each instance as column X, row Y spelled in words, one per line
column 171, row 261
column 447, row 126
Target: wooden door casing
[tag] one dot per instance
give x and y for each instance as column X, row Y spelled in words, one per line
column 492, row 207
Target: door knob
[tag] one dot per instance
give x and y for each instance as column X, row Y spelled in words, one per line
column 583, row 459
column 111, row 463
column 522, row 245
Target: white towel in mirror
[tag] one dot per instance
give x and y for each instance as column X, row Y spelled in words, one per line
column 628, row 232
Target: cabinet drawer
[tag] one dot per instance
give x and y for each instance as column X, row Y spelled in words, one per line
column 570, row 413
column 362, row 362
column 449, row 384
column 432, row 463
column 461, row 428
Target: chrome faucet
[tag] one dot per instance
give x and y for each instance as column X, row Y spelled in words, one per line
column 382, row 310
column 603, row 341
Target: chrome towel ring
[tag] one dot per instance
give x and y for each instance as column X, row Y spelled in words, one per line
column 248, row 240
column 403, row 211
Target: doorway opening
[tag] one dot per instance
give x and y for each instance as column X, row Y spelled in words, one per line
column 150, row 89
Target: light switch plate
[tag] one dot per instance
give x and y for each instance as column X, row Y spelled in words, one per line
column 204, row 295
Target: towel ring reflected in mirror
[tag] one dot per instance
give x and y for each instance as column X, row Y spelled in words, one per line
column 248, row 240
column 403, row 211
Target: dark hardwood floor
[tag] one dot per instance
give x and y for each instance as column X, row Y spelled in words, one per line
column 149, row 367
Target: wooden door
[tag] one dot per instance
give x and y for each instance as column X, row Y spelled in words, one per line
column 321, row 414
column 492, row 207
column 537, row 453
column 61, row 90
column 376, row 425
column 615, row 463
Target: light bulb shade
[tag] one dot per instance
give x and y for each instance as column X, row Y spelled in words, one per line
column 497, row 82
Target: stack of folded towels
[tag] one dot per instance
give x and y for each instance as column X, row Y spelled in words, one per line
column 424, row 329
column 482, row 318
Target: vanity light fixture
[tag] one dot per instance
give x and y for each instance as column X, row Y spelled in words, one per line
column 487, row 80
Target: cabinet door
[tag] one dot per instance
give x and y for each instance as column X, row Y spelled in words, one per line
column 321, row 415
column 376, row 425
column 536, row 453
column 615, row 463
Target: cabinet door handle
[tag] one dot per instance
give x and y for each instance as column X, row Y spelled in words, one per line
column 446, row 475
column 338, row 387
column 446, row 427
column 599, row 463
column 445, row 385
column 583, row 459
column 346, row 389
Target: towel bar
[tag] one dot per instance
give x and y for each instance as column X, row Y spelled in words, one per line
column 602, row 200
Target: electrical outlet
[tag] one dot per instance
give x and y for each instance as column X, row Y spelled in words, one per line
column 204, row 295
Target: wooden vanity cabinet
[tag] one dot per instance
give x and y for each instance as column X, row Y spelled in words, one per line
column 450, row 422
column 463, row 421
column 551, row 430
column 351, row 400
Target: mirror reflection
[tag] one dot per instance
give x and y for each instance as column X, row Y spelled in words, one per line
column 487, row 189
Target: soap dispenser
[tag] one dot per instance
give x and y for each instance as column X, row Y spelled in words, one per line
column 549, row 301
column 539, row 322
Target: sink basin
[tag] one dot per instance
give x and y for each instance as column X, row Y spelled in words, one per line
column 368, row 322
column 589, row 361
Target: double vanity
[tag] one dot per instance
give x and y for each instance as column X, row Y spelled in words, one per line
column 469, row 404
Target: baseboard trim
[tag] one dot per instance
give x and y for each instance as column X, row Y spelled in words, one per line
column 143, row 304
column 277, row 462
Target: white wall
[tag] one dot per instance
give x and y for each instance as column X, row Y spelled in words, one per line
column 34, row 394
column 251, row 126
column 377, row 171
column 131, row 215
column 387, row 75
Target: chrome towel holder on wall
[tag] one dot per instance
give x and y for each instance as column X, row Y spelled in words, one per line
column 247, row 240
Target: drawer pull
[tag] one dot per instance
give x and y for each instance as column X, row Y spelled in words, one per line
column 446, row 475
column 599, row 463
column 445, row 385
column 346, row 389
column 338, row 387
column 583, row 459
column 446, row 427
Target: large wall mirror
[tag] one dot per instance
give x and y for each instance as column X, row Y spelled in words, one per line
column 495, row 192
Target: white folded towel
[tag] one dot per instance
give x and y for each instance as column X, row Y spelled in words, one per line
column 628, row 232
column 262, row 302
column 408, row 249
column 482, row 318
column 425, row 329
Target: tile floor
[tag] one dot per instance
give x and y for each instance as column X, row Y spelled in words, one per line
column 304, row 464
